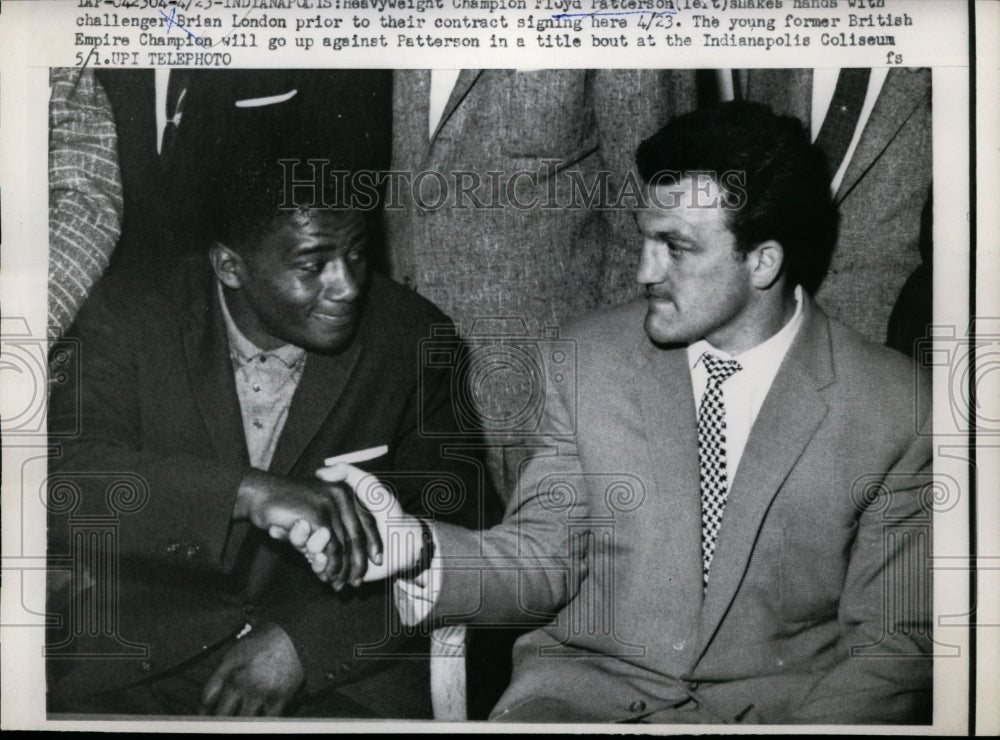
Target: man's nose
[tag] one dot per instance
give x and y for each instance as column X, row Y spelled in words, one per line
column 340, row 282
column 653, row 264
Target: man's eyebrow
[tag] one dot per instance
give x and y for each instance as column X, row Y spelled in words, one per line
column 310, row 251
column 671, row 232
column 673, row 235
column 340, row 246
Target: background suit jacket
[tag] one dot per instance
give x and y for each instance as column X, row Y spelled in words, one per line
column 540, row 264
column 159, row 454
column 343, row 115
column 884, row 190
column 602, row 545
column 537, row 265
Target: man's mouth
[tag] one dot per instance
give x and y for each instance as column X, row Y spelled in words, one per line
column 345, row 317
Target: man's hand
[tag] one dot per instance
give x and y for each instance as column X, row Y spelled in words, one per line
column 260, row 673
column 275, row 503
column 400, row 533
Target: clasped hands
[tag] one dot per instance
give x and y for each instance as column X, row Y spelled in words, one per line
column 399, row 534
column 340, row 522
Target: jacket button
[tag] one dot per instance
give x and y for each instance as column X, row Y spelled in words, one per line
column 330, row 675
column 146, row 666
column 344, row 667
column 637, row 706
column 191, row 551
column 692, row 685
column 172, row 548
column 679, row 645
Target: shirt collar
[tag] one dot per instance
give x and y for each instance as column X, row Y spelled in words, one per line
column 773, row 348
column 243, row 351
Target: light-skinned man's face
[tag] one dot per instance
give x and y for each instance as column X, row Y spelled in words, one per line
column 302, row 283
column 697, row 285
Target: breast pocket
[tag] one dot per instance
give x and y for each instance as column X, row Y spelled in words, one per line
column 261, row 101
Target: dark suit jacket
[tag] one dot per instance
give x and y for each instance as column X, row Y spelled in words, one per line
column 827, row 517
column 159, row 456
column 343, row 115
column 884, row 190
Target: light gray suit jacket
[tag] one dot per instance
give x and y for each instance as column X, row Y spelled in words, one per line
column 827, row 520
column 884, row 189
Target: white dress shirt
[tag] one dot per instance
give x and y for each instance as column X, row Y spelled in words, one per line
column 161, row 80
column 442, row 83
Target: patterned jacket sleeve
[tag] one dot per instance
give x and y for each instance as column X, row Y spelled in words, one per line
column 85, row 191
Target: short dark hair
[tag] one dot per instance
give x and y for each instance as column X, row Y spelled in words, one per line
column 254, row 195
column 787, row 181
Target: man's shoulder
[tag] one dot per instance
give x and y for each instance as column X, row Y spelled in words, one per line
column 398, row 313
column 875, row 377
column 156, row 293
column 610, row 342
column 612, row 327
column 857, row 355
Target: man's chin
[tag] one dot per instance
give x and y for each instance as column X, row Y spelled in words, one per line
column 332, row 339
column 663, row 332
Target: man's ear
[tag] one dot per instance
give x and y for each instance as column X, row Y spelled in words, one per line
column 227, row 264
column 767, row 261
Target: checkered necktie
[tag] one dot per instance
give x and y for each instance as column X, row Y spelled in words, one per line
column 712, row 454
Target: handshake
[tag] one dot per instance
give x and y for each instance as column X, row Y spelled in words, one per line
column 348, row 524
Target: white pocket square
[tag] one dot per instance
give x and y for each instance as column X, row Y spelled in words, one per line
column 269, row 100
column 352, row 458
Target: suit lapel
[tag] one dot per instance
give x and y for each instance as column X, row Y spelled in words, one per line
column 323, row 381
column 902, row 92
column 787, row 421
column 466, row 79
column 663, row 383
column 210, row 372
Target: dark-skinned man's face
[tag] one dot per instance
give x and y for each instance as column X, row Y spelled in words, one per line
column 302, row 283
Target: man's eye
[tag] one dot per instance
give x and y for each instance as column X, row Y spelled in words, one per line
column 314, row 267
column 356, row 256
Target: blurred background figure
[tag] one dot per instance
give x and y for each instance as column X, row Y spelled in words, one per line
column 85, row 191
column 875, row 127
column 514, row 137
